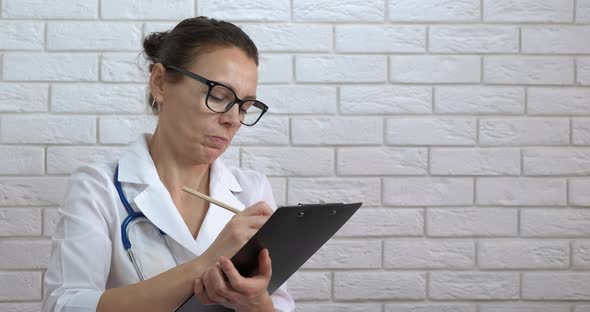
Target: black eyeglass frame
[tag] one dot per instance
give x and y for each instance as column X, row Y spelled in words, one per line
column 211, row 84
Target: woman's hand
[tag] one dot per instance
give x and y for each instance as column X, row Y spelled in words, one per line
column 224, row 285
column 238, row 231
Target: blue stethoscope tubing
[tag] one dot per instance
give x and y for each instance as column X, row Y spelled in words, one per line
column 132, row 218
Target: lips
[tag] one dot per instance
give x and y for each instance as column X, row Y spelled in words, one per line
column 218, row 139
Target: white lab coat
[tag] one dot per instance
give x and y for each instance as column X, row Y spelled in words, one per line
column 87, row 252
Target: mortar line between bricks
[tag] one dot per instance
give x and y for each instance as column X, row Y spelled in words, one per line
column 433, row 100
column 381, row 190
column 519, row 225
column 475, row 180
column 425, row 214
column 383, row 83
column 575, row 15
column 476, row 245
column 571, row 131
column 49, row 95
column 290, row 129
column 445, row 301
column 571, row 254
column 338, row 101
column 383, row 122
column 265, row 145
column 374, row 178
column 317, row 23
column 520, row 286
column 429, row 161
column 383, row 254
column 568, row 200
column 519, row 40
column 293, row 60
column 45, row 160
column 477, row 126
column 481, row 8
column 332, row 287
column 526, row 101
column 43, row 282
column 100, row 57
column 427, row 283
column 97, row 129
column 427, row 40
column 99, row 12
column 440, row 270
column 481, row 70
column 335, row 151
column 333, row 48
column 521, row 160
column 576, row 84
column 388, row 70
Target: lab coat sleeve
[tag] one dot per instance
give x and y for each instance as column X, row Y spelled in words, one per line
column 81, row 247
column 282, row 300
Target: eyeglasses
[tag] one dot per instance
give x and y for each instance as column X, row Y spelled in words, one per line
column 221, row 98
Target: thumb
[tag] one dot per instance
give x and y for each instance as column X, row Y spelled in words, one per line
column 265, row 264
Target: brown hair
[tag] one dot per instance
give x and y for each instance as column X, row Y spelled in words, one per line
column 181, row 45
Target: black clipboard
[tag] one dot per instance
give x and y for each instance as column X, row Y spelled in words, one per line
column 292, row 235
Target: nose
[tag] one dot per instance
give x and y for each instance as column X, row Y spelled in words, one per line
column 231, row 117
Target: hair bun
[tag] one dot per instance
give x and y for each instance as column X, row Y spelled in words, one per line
column 152, row 44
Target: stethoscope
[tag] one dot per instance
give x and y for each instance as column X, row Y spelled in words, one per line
column 134, row 217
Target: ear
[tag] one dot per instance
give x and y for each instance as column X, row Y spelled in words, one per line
column 157, row 82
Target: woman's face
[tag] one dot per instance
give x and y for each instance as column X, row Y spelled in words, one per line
column 197, row 133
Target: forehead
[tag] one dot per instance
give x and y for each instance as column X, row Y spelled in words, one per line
column 230, row 66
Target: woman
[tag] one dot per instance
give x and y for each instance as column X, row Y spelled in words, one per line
column 203, row 83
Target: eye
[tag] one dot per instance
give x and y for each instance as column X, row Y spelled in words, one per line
column 220, row 93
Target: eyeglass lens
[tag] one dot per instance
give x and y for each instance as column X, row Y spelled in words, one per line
column 220, row 99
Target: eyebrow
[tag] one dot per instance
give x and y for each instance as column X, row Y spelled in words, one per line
column 248, row 97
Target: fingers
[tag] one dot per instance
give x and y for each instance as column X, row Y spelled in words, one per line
column 239, row 230
column 260, row 208
column 256, row 222
column 235, row 279
column 216, row 287
column 249, row 286
column 200, row 293
column 264, row 264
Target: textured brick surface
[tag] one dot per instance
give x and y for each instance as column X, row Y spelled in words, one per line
column 462, row 125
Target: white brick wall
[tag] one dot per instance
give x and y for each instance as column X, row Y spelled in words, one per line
column 463, row 126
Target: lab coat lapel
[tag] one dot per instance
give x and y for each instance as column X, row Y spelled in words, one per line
column 136, row 166
column 153, row 199
column 157, row 205
column 222, row 186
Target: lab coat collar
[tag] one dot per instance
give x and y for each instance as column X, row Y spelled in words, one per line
column 136, row 166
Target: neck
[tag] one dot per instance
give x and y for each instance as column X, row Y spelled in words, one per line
column 174, row 170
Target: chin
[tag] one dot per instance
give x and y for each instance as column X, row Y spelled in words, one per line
column 213, row 153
